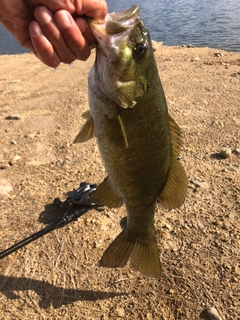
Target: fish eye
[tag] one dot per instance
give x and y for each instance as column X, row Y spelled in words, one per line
column 141, row 48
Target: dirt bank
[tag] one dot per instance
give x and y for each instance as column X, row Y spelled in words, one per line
column 57, row 277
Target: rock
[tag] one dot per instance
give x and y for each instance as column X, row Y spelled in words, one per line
column 14, row 117
column 5, row 187
column 16, row 81
column 120, row 312
column 167, row 226
column 210, row 313
column 4, row 166
column 170, row 291
column 226, row 153
column 14, row 159
column 232, row 169
column 98, row 243
column 234, row 74
column 218, row 54
column 190, row 46
column 202, row 184
column 237, row 150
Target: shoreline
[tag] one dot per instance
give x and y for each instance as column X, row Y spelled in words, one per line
column 158, row 43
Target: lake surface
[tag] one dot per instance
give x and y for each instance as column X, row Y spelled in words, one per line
column 208, row 23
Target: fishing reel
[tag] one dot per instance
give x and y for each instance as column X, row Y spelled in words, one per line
column 79, row 197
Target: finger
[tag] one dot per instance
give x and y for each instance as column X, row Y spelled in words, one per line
column 42, row 48
column 96, row 9
column 76, row 33
column 53, row 34
column 86, row 31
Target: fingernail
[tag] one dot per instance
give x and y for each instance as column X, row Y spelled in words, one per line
column 63, row 19
column 36, row 30
column 43, row 14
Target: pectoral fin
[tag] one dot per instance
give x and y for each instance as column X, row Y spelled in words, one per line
column 105, row 195
column 123, row 131
column 88, row 131
column 118, row 135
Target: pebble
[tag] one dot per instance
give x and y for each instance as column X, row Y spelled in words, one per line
column 16, row 81
column 218, row 54
column 237, row 150
column 226, row 153
column 170, row 291
column 120, row 312
column 4, row 166
column 13, row 117
column 235, row 74
column 232, row 169
column 5, row 187
column 167, row 226
column 210, row 313
column 98, row 243
column 202, row 184
column 14, row 159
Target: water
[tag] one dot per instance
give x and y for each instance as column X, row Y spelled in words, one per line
column 210, row 23
column 8, row 44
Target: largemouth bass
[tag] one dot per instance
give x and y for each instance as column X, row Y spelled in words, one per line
column 138, row 141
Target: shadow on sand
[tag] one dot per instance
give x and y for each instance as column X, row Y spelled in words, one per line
column 50, row 294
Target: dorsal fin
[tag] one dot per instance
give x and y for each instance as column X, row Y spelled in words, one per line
column 175, row 189
column 176, row 137
column 87, row 131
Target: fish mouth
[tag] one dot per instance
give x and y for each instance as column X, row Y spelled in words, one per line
column 114, row 24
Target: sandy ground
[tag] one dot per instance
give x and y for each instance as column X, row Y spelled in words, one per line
column 57, row 276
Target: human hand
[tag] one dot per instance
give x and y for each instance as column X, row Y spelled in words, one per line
column 53, row 30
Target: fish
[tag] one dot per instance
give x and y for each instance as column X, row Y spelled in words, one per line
column 139, row 142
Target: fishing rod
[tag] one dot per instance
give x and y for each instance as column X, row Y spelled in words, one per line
column 79, row 203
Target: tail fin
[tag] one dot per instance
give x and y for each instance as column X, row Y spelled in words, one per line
column 145, row 256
